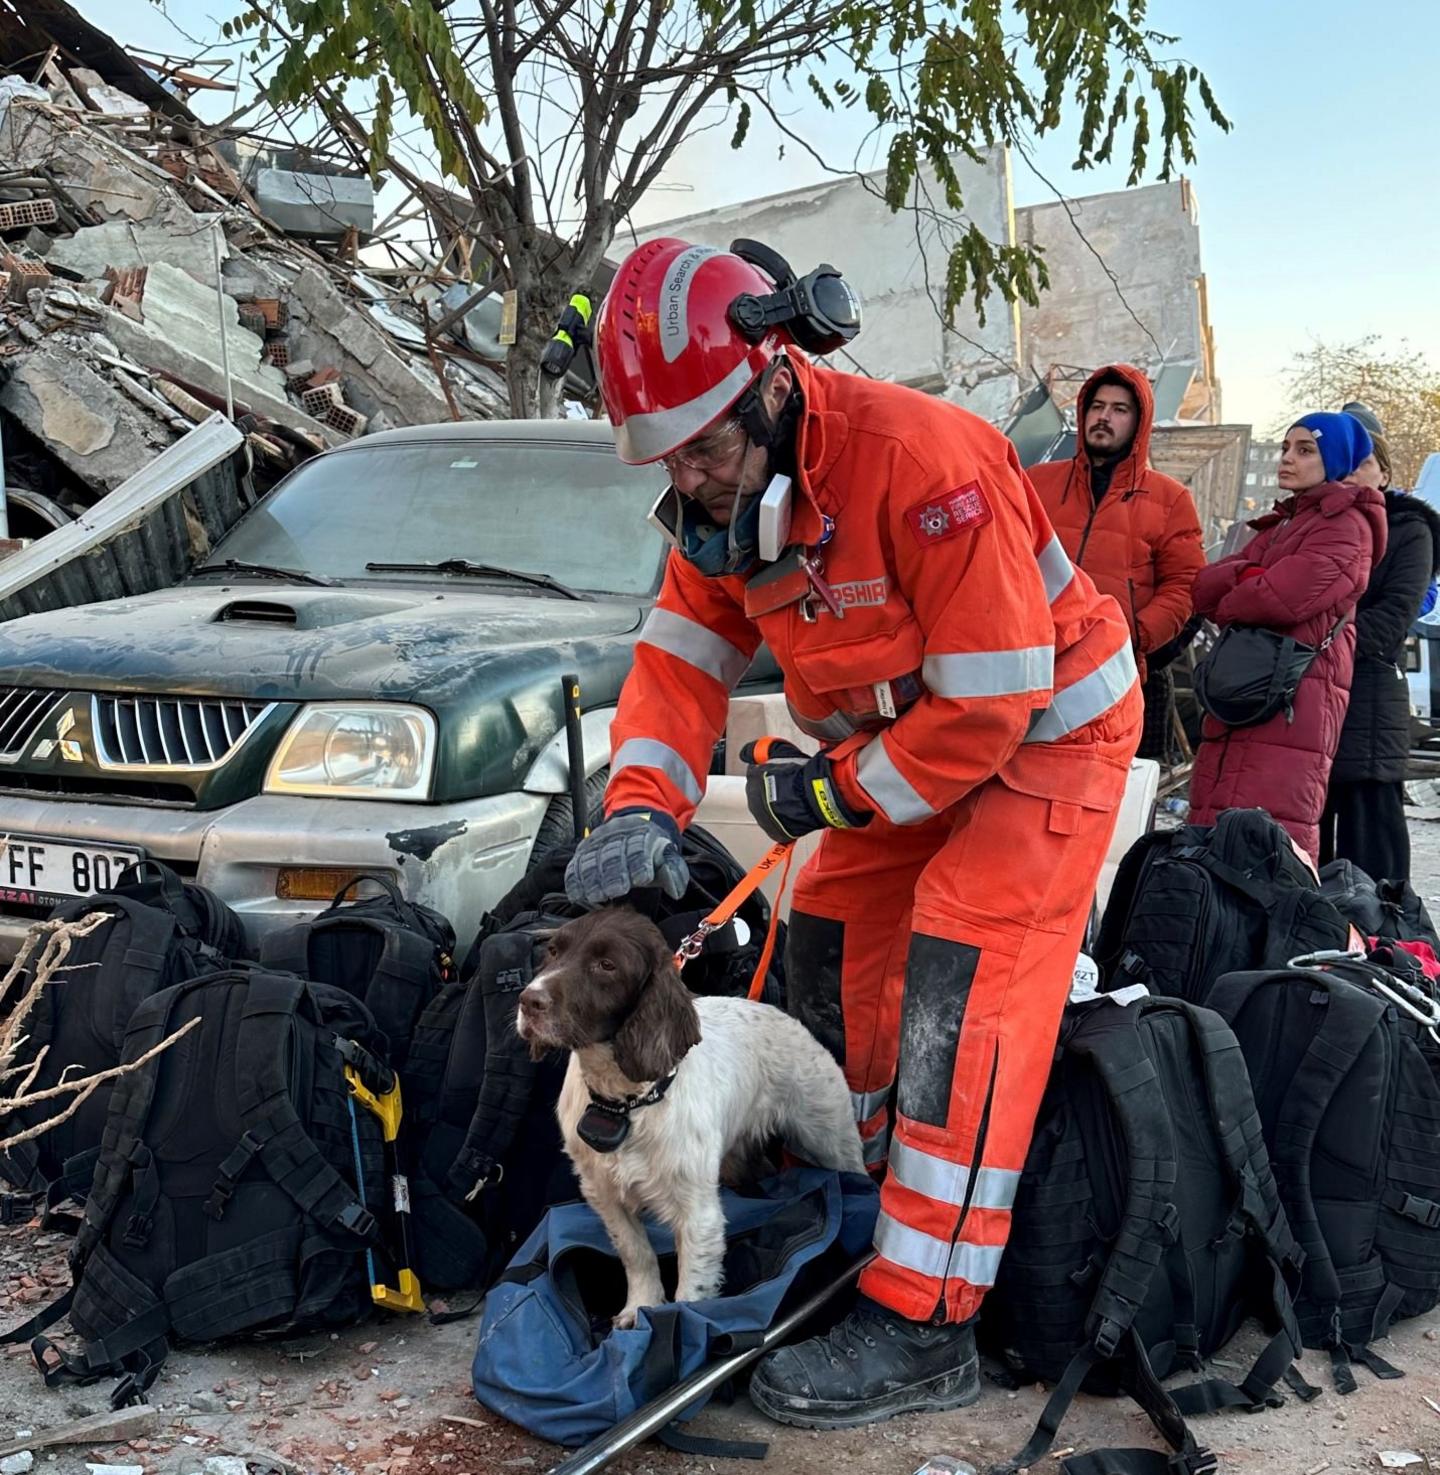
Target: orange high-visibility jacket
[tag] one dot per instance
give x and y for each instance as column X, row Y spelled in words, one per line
column 966, row 644
column 1142, row 543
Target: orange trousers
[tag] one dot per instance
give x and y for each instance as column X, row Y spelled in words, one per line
column 934, row 961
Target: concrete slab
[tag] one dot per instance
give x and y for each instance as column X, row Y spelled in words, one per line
column 84, row 421
column 174, row 235
column 181, row 333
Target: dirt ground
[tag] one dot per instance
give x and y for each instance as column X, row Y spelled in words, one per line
column 393, row 1398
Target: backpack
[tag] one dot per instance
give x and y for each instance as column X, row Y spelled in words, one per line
column 1388, row 910
column 548, row 1359
column 1344, row 1061
column 239, row 1184
column 482, row 1137
column 394, row 955
column 1191, row 904
column 1146, row 1227
column 159, row 931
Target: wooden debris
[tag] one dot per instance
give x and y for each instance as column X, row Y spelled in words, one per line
column 107, row 1428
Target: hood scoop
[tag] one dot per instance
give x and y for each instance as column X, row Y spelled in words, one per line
column 257, row 612
column 310, row 609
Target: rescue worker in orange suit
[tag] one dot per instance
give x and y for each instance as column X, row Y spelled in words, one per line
column 977, row 708
column 1132, row 529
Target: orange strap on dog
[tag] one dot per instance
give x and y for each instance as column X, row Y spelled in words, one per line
column 746, row 888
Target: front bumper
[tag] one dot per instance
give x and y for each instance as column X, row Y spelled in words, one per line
column 458, row 858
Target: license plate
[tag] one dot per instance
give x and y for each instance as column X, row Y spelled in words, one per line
column 35, row 871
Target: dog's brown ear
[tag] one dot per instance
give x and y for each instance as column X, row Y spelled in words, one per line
column 662, row 1026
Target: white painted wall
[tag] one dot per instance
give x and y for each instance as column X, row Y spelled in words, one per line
column 897, row 263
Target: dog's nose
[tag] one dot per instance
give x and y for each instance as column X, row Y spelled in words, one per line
column 534, row 999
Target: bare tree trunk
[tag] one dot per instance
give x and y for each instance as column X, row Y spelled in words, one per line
column 534, row 395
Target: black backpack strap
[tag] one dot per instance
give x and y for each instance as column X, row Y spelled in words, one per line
column 268, row 1115
column 1350, row 1017
column 133, row 1348
column 402, row 983
column 1241, row 1139
column 1150, row 1221
column 509, row 1078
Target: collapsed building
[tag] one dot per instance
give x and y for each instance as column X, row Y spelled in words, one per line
column 154, row 271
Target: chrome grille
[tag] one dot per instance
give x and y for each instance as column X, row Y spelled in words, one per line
column 170, row 732
column 22, row 710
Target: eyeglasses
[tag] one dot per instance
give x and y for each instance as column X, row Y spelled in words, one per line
column 709, row 451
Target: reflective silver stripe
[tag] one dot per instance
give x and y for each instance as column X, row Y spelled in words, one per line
column 911, row 1249
column 888, row 787
column 1055, row 568
column 867, row 1103
column 938, row 1258
column 648, row 437
column 1083, row 701
column 990, row 673
column 976, row 1264
column 875, row 1148
column 946, row 1181
column 692, row 643
column 650, row 753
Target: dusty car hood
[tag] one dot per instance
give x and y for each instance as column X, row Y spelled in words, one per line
column 488, row 665
column 298, row 643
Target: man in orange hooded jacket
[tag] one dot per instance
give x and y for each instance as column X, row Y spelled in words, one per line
column 977, row 706
column 1133, row 530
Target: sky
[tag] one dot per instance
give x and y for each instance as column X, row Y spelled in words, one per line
column 1319, row 212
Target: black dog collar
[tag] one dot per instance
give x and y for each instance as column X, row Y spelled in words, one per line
column 605, row 1123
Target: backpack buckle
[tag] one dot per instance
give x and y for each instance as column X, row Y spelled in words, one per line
column 1169, row 1224
column 357, row 1219
column 1423, row 1211
column 219, row 1199
column 1106, row 1340
column 1197, row 1461
column 137, row 1231
column 19, row 1208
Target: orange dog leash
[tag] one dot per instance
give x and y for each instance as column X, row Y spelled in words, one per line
column 779, row 854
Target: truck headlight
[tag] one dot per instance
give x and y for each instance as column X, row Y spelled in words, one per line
column 356, row 750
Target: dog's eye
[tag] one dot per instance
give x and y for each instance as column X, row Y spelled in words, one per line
column 606, row 965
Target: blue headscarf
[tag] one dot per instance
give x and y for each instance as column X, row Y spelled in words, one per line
column 1344, row 442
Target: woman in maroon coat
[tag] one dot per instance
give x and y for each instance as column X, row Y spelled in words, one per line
column 1307, row 565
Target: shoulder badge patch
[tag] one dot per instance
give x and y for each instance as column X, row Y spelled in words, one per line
column 936, row 518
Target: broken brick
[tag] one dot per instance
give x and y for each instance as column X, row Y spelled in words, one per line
column 18, row 213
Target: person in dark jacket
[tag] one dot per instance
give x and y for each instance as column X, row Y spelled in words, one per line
column 1300, row 575
column 1364, row 818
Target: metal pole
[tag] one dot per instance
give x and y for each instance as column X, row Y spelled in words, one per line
column 4, row 503
column 224, row 341
column 660, row 1411
column 575, row 745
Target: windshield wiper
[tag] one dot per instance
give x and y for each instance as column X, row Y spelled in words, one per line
column 266, row 571
column 480, row 570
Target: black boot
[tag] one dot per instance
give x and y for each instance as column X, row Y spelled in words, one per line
column 873, row 1364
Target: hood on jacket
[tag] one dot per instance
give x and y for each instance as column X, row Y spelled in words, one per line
column 1408, row 507
column 1133, row 464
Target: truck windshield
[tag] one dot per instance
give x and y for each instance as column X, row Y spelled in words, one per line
column 562, row 510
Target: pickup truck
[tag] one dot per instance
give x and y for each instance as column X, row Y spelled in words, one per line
column 365, row 674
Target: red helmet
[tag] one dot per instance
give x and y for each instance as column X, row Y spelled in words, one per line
column 671, row 361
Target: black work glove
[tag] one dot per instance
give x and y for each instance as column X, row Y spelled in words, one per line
column 633, row 848
column 790, row 794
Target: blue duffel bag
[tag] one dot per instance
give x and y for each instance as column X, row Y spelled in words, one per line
column 548, row 1359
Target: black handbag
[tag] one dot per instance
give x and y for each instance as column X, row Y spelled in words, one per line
column 1251, row 674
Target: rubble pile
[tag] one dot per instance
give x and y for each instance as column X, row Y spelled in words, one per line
column 145, row 284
